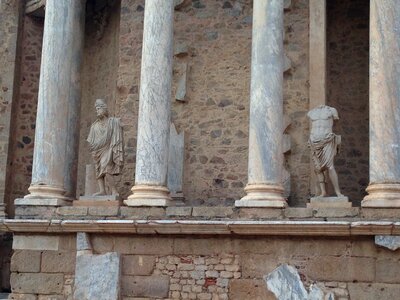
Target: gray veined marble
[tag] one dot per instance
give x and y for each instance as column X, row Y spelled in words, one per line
column 54, row 169
column 384, row 105
column 265, row 161
column 154, row 107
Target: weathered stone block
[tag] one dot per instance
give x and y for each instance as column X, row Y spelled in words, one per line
column 298, row 212
column 332, row 268
column 51, row 297
column 212, row 212
column 260, row 213
column 201, row 246
column 15, row 296
column 143, row 245
column 179, row 211
column 362, row 291
column 97, row 277
column 334, row 212
column 137, row 264
column 37, row 283
column 387, row 271
column 156, row 286
column 240, row 289
column 58, row 262
column 257, row 265
column 104, row 211
column 35, row 242
column 380, row 213
column 72, row 211
column 143, row 213
column 25, row 261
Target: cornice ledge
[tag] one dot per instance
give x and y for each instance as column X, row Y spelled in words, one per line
column 198, row 227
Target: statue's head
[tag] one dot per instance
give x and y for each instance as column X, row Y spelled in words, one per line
column 101, row 108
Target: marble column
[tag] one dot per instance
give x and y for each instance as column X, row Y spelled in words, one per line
column 57, row 122
column 150, row 187
column 384, row 105
column 264, row 188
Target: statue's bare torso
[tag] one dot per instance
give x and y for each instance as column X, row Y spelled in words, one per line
column 322, row 118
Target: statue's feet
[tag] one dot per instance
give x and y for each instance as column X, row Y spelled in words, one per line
column 101, row 193
column 339, row 195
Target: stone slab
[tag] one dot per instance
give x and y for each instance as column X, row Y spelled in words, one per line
column 260, row 203
column 37, row 283
column 147, row 202
column 97, row 277
column 317, row 202
column 25, row 261
column 212, row 212
column 155, row 286
column 285, row 283
column 41, row 202
column 138, row 264
column 387, row 241
column 336, row 212
column 89, row 203
column 36, row 242
column 99, row 198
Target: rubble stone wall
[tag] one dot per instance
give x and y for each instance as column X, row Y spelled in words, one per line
column 209, row 267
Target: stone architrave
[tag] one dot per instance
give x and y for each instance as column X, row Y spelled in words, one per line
column 54, row 171
column 150, row 187
column 384, row 105
column 175, row 163
column 264, row 188
column 324, row 145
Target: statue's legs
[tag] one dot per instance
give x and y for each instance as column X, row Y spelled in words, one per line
column 101, row 183
column 321, row 182
column 335, row 182
column 111, row 184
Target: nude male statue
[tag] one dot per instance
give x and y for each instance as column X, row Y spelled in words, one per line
column 107, row 148
column 324, row 146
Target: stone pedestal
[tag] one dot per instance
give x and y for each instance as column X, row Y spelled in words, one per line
column 57, row 122
column 264, row 186
column 334, row 202
column 384, row 105
column 154, row 107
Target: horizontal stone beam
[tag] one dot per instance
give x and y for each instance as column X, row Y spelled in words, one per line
column 193, row 227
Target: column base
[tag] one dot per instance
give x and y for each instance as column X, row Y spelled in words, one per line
column 262, row 195
column 382, row 195
column 149, row 195
column 44, row 195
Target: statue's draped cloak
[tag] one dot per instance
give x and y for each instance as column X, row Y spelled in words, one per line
column 106, row 144
column 323, row 151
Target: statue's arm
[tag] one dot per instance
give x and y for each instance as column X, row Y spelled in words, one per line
column 335, row 113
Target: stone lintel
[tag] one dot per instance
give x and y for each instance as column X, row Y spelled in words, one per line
column 226, row 227
column 42, row 202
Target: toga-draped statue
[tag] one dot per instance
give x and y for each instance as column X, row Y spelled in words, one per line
column 107, row 148
column 324, row 146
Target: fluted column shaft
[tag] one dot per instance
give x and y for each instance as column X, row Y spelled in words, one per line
column 384, row 105
column 57, row 122
column 154, row 106
column 264, row 186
